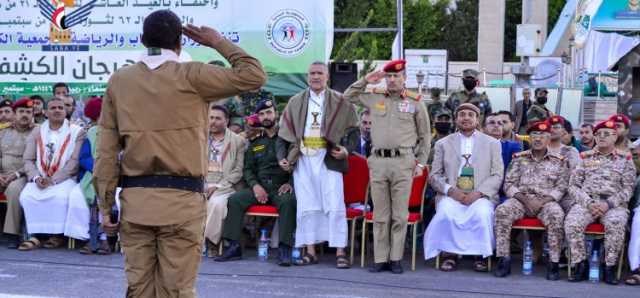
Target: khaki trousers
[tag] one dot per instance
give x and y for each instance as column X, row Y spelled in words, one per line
column 216, row 213
column 162, row 261
column 13, row 218
column 391, row 180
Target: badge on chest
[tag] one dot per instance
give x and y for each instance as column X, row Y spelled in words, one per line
column 406, row 107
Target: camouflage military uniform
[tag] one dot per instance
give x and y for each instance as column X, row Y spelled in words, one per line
column 479, row 100
column 537, row 112
column 434, row 107
column 608, row 177
column 572, row 156
column 537, row 179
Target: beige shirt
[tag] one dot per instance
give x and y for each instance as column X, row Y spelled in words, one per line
column 397, row 121
column 12, row 145
column 159, row 120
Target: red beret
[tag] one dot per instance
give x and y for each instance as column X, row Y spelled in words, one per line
column 395, row 66
column 610, row 124
column 542, row 126
column 621, row 118
column 93, row 107
column 555, row 119
column 23, row 103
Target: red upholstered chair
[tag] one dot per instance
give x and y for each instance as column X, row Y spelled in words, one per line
column 356, row 190
column 259, row 211
column 3, row 199
column 596, row 231
column 416, row 199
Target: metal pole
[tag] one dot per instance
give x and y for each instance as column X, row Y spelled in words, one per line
column 400, row 25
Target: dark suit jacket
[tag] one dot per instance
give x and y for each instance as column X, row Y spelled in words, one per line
column 518, row 111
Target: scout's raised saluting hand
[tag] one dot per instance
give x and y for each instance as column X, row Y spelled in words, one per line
column 203, row 35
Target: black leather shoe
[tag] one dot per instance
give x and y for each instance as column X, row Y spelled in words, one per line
column 553, row 271
column 284, row 255
column 379, row 267
column 396, row 267
column 233, row 252
column 14, row 241
column 610, row 275
column 581, row 273
column 504, row 267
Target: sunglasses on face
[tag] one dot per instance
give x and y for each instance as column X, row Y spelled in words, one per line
column 604, row 134
column 537, row 134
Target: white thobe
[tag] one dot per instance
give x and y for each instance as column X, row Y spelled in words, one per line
column 46, row 210
column 457, row 228
column 78, row 215
column 321, row 213
column 634, row 243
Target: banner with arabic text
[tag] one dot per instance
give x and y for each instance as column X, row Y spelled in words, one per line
column 84, row 41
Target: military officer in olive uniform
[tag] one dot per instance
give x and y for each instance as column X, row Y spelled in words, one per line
column 401, row 136
column 539, row 111
column 470, row 95
column 152, row 141
column 13, row 176
column 269, row 184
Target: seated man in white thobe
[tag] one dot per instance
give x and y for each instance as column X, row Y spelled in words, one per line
column 51, row 163
column 312, row 125
column 467, row 172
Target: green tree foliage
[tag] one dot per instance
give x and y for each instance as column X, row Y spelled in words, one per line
column 432, row 24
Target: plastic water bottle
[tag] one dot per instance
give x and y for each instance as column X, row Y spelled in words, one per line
column 263, row 248
column 594, row 267
column 527, row 260
column 295, row 252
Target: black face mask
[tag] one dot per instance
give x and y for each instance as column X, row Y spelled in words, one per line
column 469, row 84
column 443, row 127
column 541, row 100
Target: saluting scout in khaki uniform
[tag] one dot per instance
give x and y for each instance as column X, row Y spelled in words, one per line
column 602, row 186
column 535, row 182
column 401, row 134
column 155, row 113
column 12, row 144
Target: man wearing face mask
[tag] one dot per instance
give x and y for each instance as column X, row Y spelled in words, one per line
column 470, row 95
column 538, row 111
column 443, row 125
column 435, row 105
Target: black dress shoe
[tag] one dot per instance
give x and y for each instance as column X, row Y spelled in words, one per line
column 553, row 271
column 581, row 273
column 610, row 275
column 396, row 267
column 379, row 267
column 284, row 255
column 232, row 253
column 504, row 267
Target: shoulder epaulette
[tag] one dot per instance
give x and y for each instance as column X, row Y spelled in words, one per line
column 586, row 154
column 413, row 95
column 624, row 154
column 521, row 154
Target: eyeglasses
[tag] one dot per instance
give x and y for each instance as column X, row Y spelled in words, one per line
column 492, row 122
column 604, row 134
column 557, row 126
column 538, row 134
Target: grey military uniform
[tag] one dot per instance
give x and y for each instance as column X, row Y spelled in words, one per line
column 401, row 128
column 537, row 180
column 12, row 145
column 600, row 177
column 538, row 112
